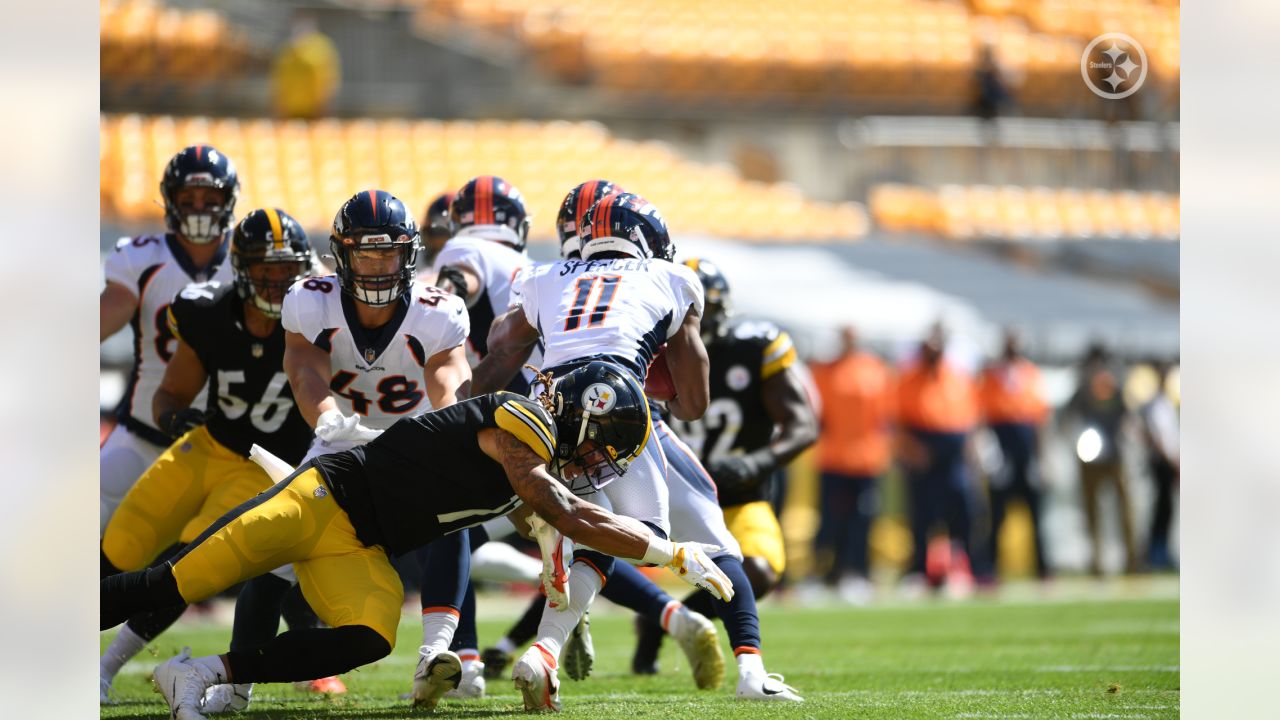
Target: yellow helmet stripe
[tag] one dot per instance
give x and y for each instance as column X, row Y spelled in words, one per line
column 277, row 233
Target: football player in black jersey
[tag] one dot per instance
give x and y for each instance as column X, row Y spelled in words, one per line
column 229, row 334
column 338, row 517
column 759, row 419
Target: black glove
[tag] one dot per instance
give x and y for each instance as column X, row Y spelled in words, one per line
column 457, row 281
column 741, row 471
column 179, row 422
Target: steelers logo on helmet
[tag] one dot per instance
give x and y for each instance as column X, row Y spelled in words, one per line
column 598, row 399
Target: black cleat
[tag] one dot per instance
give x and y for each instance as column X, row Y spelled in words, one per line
column 648, row 644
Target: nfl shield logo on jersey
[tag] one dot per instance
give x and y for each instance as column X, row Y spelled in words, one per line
column 320, row 491
column 598, row 399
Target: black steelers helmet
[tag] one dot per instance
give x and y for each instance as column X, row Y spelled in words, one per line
column 715, row 289
column 495, row 207
column 270, row 244
column 602, row 423
column 200, row 166
column 376, row 222
column 625, row 223
column 575, row 205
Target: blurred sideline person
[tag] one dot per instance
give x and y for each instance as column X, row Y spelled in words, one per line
column 1160, row 430
column 759, row 419
column 1099, row 413
column 229, row 333
column 938, row 410
column 858, row 394
column 199, row 188
column 488, row 231
column 306, row 73
column 626, row 254
column 1012, row 401
column 340, row 516
column 364, row 347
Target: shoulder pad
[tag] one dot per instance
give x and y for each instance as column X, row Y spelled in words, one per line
column 528, row 421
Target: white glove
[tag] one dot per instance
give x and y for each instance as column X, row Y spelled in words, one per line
column 557, row 555
column 332, row 426
column 691, row 562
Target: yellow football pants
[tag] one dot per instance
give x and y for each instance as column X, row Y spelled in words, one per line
column 757, row 530
column 192, row 484
column 297, row 521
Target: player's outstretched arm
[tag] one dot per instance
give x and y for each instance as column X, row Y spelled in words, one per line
column 448, row 377
column 592, row 525
column 116, row 305
column 308, row 369
column 687, row 360
column 511, row 340
column 184, row 376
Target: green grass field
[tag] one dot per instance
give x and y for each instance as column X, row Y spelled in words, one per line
column 1042, row 658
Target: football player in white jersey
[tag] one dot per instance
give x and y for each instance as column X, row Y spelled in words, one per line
column 143, row 273
column 363, row 348
column 694, row 512
column 619, row 303
column 489, row 228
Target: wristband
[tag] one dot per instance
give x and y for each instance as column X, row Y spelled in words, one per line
column 660, row 551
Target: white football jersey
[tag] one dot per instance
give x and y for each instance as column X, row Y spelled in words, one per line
column 377, row 374
column 497, row 265
column 155, row 268
column 622, row 310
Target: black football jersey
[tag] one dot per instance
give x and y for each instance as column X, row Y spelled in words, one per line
column 427, row 476
column 737, row 421
column 249, row 392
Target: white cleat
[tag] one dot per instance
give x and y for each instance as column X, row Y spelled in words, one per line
column 761, row 686
column 471, row 687
column 697, row 637
column 182, row 686
column 104, row 692
column 226, row 697
column 579, row 653
column 535, row 677
column 439, row 671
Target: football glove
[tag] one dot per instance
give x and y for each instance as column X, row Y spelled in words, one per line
column 332, row 426
column 741, row 471
column 557, row 555
column 691, row 562
column 180, row 422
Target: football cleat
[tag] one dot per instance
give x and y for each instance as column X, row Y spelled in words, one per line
column 226, row 698
column 104, row 692
column 579, row 653
column 649, row 635
column 495, row 662
column 761, row 686
column 331, row 685
column 439, row 671
column 472, row 685
column 535, row 677
column 697, row 637
column 182, row 686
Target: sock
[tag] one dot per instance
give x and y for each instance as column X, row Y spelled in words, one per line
column 438, row 626
column 506, row 646
column 126, row 594
column 467, row 655
column 212, row 668
column 749, row 661
column 740, row 617
column 556, row 625
column 671, row 613
column 466, row 637
column 123, row 647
